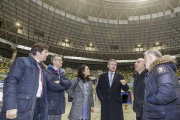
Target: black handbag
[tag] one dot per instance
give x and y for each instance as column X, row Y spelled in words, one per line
column 70, row 98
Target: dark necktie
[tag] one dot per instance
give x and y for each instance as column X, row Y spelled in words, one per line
column 41, row 76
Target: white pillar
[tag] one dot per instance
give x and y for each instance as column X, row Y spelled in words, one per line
column 13, row 56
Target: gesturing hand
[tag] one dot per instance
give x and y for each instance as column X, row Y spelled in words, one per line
column 123, row 82
column 11, row 114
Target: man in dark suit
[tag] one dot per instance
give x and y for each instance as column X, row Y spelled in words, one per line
column 109, row 93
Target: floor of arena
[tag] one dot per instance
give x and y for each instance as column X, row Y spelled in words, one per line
column 128, row 114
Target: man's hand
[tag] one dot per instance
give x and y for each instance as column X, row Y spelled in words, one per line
column 11, row 114
column 123, row 82
column 92, row 109
column 57, row 82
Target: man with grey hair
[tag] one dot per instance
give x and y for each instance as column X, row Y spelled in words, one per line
column 109, row 93
column 162, row 90
column 138, row 87
column 56, row 98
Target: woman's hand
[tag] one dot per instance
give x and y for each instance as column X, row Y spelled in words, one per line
column 92, row 109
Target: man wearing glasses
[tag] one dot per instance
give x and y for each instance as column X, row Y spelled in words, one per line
column 56, row 98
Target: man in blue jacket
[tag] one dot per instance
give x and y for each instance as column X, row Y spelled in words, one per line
column 56, row 98
column 24, row 91
column 162, row 90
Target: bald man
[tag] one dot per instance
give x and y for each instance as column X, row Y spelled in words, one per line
column 138, row 88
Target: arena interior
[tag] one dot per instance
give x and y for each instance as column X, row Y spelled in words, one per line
column 90, row 32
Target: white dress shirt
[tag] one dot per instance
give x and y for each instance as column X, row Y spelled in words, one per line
column 39, row 92
column 55, row 68
column 109, row 75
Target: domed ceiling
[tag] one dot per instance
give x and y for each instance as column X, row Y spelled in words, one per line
column 113, row 9
column 103, row 29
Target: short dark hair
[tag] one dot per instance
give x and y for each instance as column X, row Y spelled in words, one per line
column 81, row 75
column 38, row 47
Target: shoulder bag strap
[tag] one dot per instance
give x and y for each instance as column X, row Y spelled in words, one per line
column 76, row 85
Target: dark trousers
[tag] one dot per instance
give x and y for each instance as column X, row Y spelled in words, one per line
column 138, row 118
column 54, row 117
column 125, row 98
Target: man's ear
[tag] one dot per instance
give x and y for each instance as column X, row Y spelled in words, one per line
column 107, row 66
column 37, row 53
column 152, row 58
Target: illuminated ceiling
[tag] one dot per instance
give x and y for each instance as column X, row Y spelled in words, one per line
column 113, row 27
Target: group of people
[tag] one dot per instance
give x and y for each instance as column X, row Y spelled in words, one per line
column 34, row 91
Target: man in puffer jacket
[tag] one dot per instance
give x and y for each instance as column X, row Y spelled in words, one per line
column 56, row 98
column 24, row 91
column 162, row 90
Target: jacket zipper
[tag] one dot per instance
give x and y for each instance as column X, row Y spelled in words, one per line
column 58, row 93
column 34, row 98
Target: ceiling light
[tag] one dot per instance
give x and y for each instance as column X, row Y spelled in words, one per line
column 66, row 40
column 90, row 45
column 18, row 24
column 125, row 1
column 157, row 43
column 139, row 46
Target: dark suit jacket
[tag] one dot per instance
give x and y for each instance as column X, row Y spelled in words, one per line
column 111, row 102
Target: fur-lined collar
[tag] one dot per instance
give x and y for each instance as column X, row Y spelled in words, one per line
column 161, row 60
column 34, row 60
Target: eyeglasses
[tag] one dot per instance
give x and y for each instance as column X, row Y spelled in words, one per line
column 59, row 59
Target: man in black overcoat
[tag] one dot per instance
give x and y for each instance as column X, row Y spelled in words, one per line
column 138, row 87
column 108, row 91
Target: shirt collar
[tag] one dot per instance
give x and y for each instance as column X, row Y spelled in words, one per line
column 55, row 68
column 36, row 60
column 111, row 72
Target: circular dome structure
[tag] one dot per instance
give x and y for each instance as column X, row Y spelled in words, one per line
column 112, row 9
column 102, row 29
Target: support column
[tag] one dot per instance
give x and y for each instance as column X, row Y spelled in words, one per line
column 13, row 56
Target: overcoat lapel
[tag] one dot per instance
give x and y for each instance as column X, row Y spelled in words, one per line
column 107, row 78
column 114, row 79
column 81, row 85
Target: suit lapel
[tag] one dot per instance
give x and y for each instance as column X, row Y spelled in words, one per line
column 114, row 79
